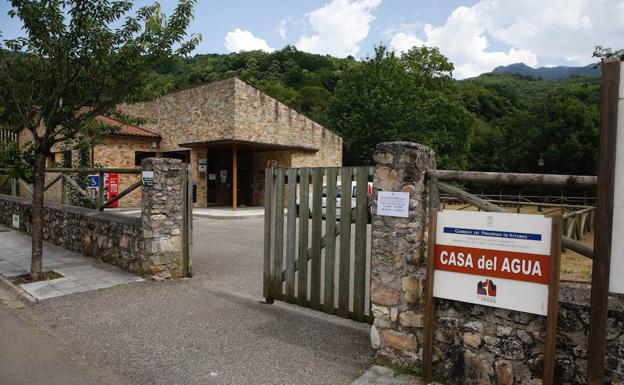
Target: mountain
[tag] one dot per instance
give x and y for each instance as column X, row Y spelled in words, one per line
column 548, row 73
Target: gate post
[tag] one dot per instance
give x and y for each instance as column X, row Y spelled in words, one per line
column 398, row 266
column 162, row 217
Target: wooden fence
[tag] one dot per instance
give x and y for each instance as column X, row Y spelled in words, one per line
column 66, row 176
column 324, row 270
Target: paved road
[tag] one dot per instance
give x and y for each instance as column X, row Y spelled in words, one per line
column 31, row 355
column 211, row 329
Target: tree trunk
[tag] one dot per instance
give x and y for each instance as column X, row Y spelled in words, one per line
column 36, row 227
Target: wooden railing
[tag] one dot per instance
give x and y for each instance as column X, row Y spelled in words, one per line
column 576, row 220
column 67, row 181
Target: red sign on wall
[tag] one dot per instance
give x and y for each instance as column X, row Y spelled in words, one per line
column 112, row 188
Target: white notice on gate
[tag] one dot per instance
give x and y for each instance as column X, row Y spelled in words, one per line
column 393, row 204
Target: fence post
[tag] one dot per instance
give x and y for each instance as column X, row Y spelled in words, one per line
column 162, row 218
column 398, row 266
column 100, row 198
column 62, row 188
column 604, row 222
column 14, row 187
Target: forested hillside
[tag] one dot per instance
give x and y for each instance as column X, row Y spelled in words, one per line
column 495, row 122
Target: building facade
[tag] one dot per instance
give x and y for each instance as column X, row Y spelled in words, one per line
column 227, row 131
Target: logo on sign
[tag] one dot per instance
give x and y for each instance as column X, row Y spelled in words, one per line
column 486, row 290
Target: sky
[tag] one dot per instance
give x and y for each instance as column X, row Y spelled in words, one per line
column 476, row 35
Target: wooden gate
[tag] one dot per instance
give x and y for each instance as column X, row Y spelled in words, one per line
column 318, row 239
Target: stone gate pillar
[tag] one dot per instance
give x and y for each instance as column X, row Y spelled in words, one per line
column 162, row 219
column 398, row 268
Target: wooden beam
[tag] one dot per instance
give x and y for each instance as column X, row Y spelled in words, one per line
column 604, row 223
column 127, row 191
column 514, row 178
column 234, row 177
column 484, row 205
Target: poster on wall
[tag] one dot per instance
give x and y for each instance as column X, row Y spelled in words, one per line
column 493, row 259
column 393, row 204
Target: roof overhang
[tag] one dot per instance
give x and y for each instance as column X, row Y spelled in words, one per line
column 246, row 145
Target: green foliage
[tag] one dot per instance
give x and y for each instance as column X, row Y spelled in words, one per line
column 495, row 122
column 409, row 98
column 18, row 163
column 81, row 58
column 521, row 120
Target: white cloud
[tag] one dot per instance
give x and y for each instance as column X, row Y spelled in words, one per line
column 338, row 27
column 281, row 28
column 564, row 30
column 403, row 41
column 243, row 40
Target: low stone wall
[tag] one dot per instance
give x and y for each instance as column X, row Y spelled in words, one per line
column 481, row 345
column 114, row 239
column 151, row 246
column 473, row 344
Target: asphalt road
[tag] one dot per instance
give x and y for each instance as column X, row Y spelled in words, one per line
column 211, row 329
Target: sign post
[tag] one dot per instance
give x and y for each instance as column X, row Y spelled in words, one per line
column 608, row 261
column 502, row 260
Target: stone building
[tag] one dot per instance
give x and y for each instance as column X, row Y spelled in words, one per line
column 226, row 130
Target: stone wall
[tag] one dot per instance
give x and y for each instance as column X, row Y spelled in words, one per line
column 473, row 344
column 151, row 246
column 162, row 218
column 119, row 152
column 111, row 238
column 195, row 114
column 260, row 118
column 231, row 109
column 398, row 268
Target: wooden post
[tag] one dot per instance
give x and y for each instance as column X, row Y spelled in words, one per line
column 553, row 303
column 429, row 309
column 268, row 227
column 234, row 176
column 63, row 188
column 604, row 223
column 100, row 198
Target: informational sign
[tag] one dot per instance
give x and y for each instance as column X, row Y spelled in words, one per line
column 223, row 176
column 393, row 204
column 94, row 181
column 212, row 176
column 16, row 221
column 147, row 178
column 493, row 259
column 616, row 282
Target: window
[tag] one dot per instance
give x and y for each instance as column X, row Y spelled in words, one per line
column 140, row 155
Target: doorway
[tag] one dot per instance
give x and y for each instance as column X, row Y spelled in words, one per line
column 221, row 179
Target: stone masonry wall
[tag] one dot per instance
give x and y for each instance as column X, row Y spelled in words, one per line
column 260, row 118
column 111, row 238
column 473, row 344
column 119, row 152
column 151, row 246
column 397, row 265
column 195, row 114
column 162, row 219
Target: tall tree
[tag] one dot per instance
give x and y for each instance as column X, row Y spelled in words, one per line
column 411, row 98
column 78, row 59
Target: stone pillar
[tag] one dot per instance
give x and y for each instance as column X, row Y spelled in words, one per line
column 398, row 268
column 162, row 220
